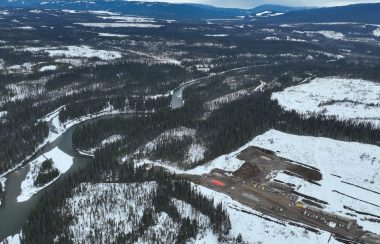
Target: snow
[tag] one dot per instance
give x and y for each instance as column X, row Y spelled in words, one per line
column 2, row 181
column 20, row 68
column 128, row 19
column 271, row 38
column 328, row 34
column 25, row 28
column 177, row 133
column 268, row 14
column 216, row 35
column 376, row 32
column 83, row 51
column 264, row 13
column 227, row 162
column 102, row 12
column 120, row 25
column 15, row 239
column 48, row 68
column 123, row 201
column 111, row 139
column 61, row 161
column 111, row 35
column 354, row 163
column 332, row 35
column 353, row 99
column 216, row 103
column 196, row 153
column 255, row 229
column 3, row 114
column 185, row 210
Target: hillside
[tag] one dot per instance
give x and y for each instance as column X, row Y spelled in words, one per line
column 362, row 13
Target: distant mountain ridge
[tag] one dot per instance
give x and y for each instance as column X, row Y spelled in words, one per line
column 151, row 9
column 364, row 13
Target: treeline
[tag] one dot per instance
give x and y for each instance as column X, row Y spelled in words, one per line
column 159, row 77
column 138, row 129
column 238, row 122
column 224, row 130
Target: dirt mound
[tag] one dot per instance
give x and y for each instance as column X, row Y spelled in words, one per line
column 307, row 173
column 247, row 171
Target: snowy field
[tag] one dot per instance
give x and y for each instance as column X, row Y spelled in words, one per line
column 61, row 161
column 347, row 99
column 76, row 52
column 350, row 172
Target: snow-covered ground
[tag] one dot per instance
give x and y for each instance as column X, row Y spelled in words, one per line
column 350, row 172
column 48, row 68
column 61, row 161
column 348, row 168
column 120, row 25
column 15, row 239
column 332, row 35
column 111, row 139
column 194, row 154
column 347, row 99
column 257, row 228
column 122, row 202
column 112, row 35
column 128, row 19
column 328, row 34
column 216, row 35
column 76, row 52
column 2, row 181
column 376, row 32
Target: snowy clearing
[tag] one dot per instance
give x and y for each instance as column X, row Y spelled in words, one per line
column 376, row 32
column 216, row 35
column 332, row 35
column 349, row 170
column 111, row 139
column 111, row 35
column 48, row 68
column 61, row 161
column 76, row 52
column 347, row 99
column 128, row 19
column 120, row 25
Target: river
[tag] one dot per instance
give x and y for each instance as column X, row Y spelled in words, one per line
column 14, row 214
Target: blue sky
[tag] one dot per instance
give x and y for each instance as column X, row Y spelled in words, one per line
column 252, row 3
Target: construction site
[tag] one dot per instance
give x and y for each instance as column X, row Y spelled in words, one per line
column 251, row 186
